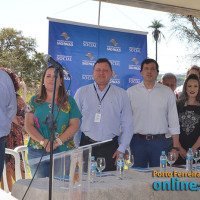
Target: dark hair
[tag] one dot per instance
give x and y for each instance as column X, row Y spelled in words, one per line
column 13, row 76
column 184, row 97
column 102, row 60
column 41, row 97
column 147, row 61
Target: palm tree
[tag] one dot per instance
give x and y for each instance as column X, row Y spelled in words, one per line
column 157, row 34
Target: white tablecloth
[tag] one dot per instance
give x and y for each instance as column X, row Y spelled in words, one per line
column 136, row 185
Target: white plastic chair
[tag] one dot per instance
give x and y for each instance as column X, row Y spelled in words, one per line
column 17, row 167
column 22, row 150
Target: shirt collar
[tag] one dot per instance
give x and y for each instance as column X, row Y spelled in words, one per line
column 155, row 85
column 96, row 86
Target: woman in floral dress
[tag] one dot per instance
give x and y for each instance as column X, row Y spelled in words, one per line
column 15, row 138
column 67, row 116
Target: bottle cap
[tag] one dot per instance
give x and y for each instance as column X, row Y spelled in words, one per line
column 121, row 154
column 163, row 152
column 92, row 157
column 190, row 148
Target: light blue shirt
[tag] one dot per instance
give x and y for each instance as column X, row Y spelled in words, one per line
column 154, row 111
column 8, row 105
column 116, row 114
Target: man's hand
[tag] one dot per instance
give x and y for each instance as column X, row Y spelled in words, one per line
column 116, row 155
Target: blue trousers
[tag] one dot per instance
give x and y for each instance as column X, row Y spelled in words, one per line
column 43, row 170
column 147, row 152
column 2, row 154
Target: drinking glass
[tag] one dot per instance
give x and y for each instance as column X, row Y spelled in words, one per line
column 171, row 158
column 196, row 158
column 129, row 160
column 101, row 164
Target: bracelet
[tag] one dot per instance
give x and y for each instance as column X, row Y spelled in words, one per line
column 59, row 141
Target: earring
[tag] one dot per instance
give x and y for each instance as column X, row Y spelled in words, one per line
column 43, row 84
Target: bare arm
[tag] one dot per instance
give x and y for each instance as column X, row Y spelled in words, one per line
column 31, row 130
column 69, row 132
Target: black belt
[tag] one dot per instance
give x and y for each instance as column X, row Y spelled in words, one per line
column 93, row 141
column 149, row 137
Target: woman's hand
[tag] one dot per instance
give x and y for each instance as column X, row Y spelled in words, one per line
column 183, row 152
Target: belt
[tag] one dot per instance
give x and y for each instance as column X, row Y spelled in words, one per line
column 93, row 141
column 149, row 137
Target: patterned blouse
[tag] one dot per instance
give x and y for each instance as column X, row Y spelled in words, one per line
column 41, row 110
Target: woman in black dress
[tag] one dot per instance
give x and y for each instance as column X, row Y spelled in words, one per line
column 188, row 107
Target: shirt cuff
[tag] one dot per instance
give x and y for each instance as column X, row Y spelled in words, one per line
column 174, row 131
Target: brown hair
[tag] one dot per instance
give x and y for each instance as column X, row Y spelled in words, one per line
column 41, row 97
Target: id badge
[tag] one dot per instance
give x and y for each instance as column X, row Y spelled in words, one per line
column 97, row 117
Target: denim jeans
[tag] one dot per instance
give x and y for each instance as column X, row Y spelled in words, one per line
column 147, row 152
column 43, row 170
column 2, row 154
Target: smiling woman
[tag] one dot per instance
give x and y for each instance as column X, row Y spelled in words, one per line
column 67, row 118
column 189, row 117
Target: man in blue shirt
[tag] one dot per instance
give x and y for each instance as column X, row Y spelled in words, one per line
column 106, row 114
column 8, row 109
column 154, row 115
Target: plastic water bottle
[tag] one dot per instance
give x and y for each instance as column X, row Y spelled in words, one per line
column 120, row 167
column 163, row 162
column 189, row 160
column 93, row 170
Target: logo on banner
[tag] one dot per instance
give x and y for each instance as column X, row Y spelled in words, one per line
column 135, row 66
column 89, row 62
column 134, row 80
column 87, row 77
column 89, row 44
column 115, row 81
column 113, row 41
column 134, row 49
column 64, row 58
column 65, row 35
column 114, row 74
column 65, row 42
column 115, row 62
column 90, row 56
column 114, row 47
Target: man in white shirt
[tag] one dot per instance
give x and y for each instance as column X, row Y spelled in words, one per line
column 154, row 115
column 8, row 110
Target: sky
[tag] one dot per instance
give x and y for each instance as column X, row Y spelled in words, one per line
column 30, row 17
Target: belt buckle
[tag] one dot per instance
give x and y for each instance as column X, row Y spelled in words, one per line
column 149, row 137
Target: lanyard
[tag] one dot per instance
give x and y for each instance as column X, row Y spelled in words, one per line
column 100, row 100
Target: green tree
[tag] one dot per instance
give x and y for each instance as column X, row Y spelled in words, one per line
column 157, row 34
column 19, row 53
column 187, row 27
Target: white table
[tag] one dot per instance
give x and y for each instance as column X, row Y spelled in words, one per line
column 136, row 185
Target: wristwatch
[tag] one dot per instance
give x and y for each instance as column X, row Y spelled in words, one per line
column 42, row 142
column 176, row 148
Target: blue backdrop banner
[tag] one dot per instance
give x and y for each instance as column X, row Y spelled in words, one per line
column 77, row 47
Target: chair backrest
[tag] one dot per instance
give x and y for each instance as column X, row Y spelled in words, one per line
column 22, row 150
column 17, row 167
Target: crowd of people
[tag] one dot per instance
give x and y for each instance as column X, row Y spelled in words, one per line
column 149, row 117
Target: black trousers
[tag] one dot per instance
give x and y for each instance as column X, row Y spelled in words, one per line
column 103, row 150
